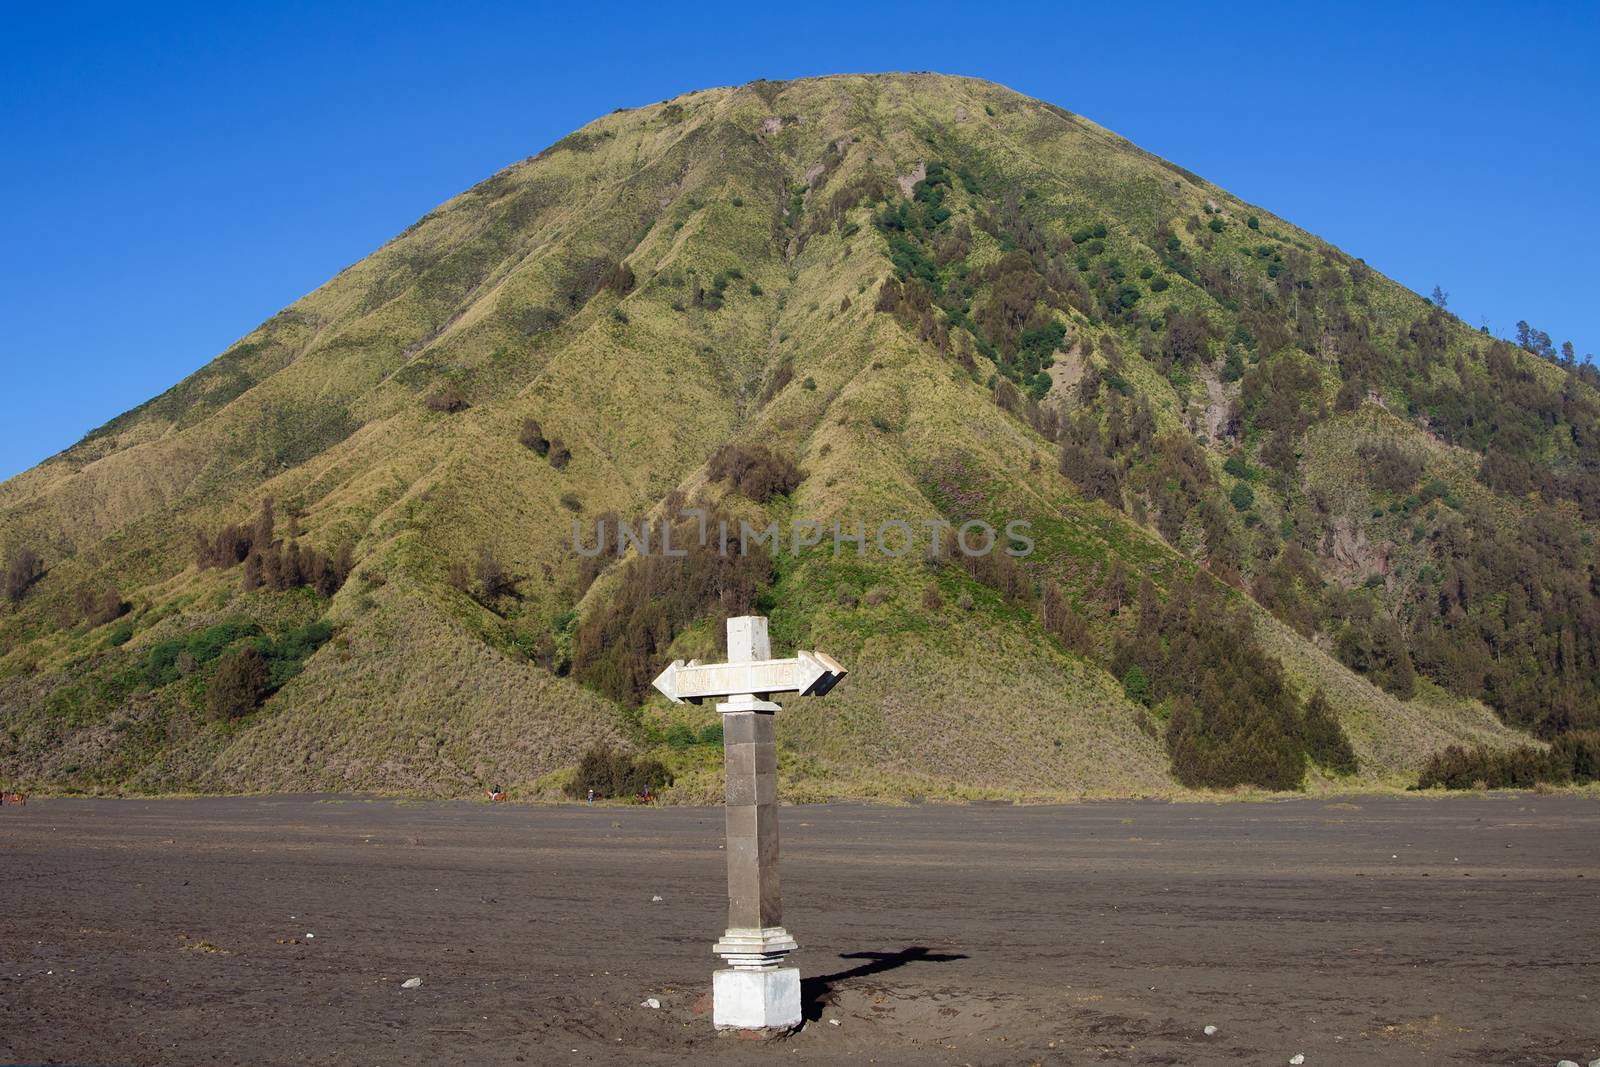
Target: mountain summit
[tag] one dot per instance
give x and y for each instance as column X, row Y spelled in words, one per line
column 1282, row 522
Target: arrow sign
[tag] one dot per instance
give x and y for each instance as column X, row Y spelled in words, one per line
column 808, row 673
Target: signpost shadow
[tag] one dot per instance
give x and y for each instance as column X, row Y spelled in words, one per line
column 814, row 991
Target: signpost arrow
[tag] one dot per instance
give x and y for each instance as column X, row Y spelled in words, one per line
column 808, row 673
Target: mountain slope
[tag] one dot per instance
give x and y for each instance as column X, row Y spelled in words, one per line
column 903, row 297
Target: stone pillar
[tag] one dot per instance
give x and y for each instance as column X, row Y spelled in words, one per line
column 755, row 991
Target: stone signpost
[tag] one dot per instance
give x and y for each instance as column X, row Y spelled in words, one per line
column 755, row 991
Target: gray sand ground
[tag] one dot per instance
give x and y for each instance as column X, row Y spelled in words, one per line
column 1381, row 930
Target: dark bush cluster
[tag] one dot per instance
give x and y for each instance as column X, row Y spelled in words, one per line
column 1325, row 740
column 612, row 773
column 1389, row 466
column 23, row 568
column 448, row 399
column 269, row 562
column 619, row 646
column 1372, row 643
column 280, row 567
column 1573, row 758
column 1232, row 717
column 486, row 579
column 238, row 686
column 98, row 606
column 619, row 279
column 532, row 437
column 755, row 471
column 553, row 449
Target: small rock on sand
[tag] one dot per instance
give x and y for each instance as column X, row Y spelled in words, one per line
column 650, row 1002
column 1298, row 1058
column 1211, row 1031
column 656, row 899
column 411, row 983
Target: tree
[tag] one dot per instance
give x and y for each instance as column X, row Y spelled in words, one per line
column 532, row 437
column 22, row 570
column 265, row 523
column 1326, row 742
column 493, row 581
column 1441, row 299
column 1135, row 685
column 755, row 471
column 238, row 686
column 611, row 773
column 100, row 606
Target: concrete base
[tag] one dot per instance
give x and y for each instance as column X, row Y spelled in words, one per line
column 756, row 1000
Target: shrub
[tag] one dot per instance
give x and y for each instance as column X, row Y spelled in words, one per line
column 96, row 607
column 449, row 400
column 875, row 596
column 1233, row 718
column 1389, row 467
column 22, row 570
column 179, row 656
column 711, row 734
column 1159, row 284
column 931, row 600
column 809, row 385
column 1135, row 685
column 559, row 455
column 1242, row 497
column 619, row 279
column 1373, row 644
column 121, row 634
column 238, row 686
column 1457, row 767
column 1236, row 465
column 1217, row 225
column 1325, row 739
column 1253, row 222
column 754, row 471
column 679, row 736
column 493, row 581
column 616, row 774
column 571, row 502
column 1579, row 754
column 1573, row 757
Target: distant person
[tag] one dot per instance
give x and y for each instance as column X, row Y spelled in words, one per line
column 591, row 796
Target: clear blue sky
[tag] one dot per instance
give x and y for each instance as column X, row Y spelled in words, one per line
column 173, row 176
